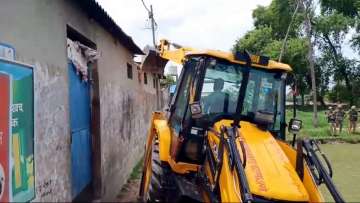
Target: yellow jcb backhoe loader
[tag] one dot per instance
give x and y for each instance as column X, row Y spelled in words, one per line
column 222, row 139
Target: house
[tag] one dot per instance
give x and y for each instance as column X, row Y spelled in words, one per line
column 89, row 125
column 152, row 66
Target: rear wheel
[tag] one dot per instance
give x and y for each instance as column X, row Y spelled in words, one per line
column 154, row 177
column 156, row 193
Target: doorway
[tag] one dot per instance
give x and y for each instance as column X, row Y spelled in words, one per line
column 84, row 109
column 80, row 120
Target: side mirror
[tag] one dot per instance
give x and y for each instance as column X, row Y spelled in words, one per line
column 295, row 126
column 196, row 109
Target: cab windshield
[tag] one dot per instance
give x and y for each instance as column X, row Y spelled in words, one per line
column 221, row 90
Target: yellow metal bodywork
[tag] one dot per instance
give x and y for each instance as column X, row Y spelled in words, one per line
column 177, row 55
column 270, row 165
column 159, row 128
column 159, row 131
column 180, row 54
column 270, row 168
column 147, row 168
column 309, row 183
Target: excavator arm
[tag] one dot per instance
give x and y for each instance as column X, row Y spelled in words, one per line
column 176, row 55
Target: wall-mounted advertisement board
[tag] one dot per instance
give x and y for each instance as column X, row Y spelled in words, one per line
column 17, row 132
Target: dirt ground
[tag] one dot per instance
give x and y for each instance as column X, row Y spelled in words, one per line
column 130, row 191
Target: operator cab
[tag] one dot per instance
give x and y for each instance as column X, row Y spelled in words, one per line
column 262, row 96
column 212, row 89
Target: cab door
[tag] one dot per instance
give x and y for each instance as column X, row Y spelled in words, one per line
column 180, row 118
column 181, row 101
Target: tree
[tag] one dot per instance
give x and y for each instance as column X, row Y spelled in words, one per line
column 255, row 40
column 315, row 43
column 323, row 72
column 271, row 24
column 310, row 56
column 278, row 16
column 349, row 9
column 167, row 81
column 330, row 30
column 296, row 52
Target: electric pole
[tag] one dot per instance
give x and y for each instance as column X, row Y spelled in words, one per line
column 151, row 16
column 152, row 21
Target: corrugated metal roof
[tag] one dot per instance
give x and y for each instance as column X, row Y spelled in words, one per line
column 95, row 11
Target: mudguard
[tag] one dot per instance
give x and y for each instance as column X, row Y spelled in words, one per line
column 159, row 128
column 164, row 136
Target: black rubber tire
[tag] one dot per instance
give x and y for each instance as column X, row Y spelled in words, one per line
column 156, row 189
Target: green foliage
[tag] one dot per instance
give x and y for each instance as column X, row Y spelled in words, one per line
column 329, row 30
column 167, row 81
column 271, row 24
column 338, row 17
column 323, row 72
column 347, row 7
column 137, row 170
column 255, row 40
column 335, row 25
column 342, row 92
column 277, row 16
column 296, row 56
column 323, row 130
column 355, row 41
column 339, row 93
column 260, row 41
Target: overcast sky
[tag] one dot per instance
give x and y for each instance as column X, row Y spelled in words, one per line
column 211, row 24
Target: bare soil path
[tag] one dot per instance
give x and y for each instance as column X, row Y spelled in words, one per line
column 130, row 191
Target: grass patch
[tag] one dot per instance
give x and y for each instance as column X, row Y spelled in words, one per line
column 323, row 129
column 137, row 171
column 344, row 160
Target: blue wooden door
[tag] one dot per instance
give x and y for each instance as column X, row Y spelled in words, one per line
column 81, row 166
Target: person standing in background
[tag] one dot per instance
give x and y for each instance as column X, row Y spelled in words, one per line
column 331, row 120
column 340, row 115
column 353, row 118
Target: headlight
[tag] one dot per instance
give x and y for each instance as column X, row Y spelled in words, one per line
column 295, row 125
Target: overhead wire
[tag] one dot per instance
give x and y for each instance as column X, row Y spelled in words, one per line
column 154, row 25
column 288, row 31
column 148, row 10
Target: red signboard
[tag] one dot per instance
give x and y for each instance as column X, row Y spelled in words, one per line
column 4, row 136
